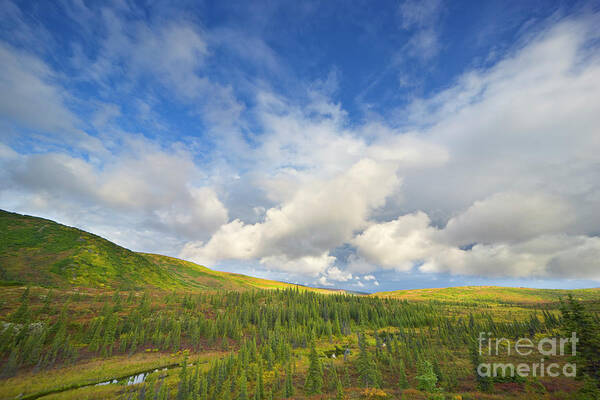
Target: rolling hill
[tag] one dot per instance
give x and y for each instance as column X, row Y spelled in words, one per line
column 37, row 251
column 40, row 252
column 491, row 294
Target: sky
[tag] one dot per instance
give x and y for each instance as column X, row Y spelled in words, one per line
column 365, row 145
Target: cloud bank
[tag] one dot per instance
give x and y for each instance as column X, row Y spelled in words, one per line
column 496, row 175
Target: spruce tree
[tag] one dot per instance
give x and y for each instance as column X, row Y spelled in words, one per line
column 163, row 393
column 426, row 377
column 22, row 314
column 338, row 387
column 579, row 321
column 182, row 394
column 260, row 389
column 347, row 381
column 203, row 388
column 314, row 377
column 402, row 379
column 243, row 387
column 484, row 382
column 289, row 385
column 10, row 368
column 367, row 367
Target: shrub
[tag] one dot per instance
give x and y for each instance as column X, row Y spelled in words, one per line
column 373, row 394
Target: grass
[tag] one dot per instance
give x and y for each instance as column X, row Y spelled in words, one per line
column 92, row 372
column 492, row 295
column 40, row 252
column 193, row 276
column 91, row 369
column 86, row 270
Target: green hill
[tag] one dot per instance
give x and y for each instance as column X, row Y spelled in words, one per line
column 37, row 251
column 491, row 294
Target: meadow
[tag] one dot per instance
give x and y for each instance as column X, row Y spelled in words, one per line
column 262, row 344
column 83, row 318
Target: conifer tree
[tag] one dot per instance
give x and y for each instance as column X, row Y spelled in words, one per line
column 182, row 394
column 163, row 393
column 10, row 368
column 402, row 379
column 243, row 387
column 260, row 389
column 338, row 387
column 367, row 367
column 484, row 382
column 314, row 377
column 437, row 371
column 289, row 386
column 47, row 302
column 426, row 377
column 347, row 382
column 577, row 319
column 22, row 315
column 203, row 388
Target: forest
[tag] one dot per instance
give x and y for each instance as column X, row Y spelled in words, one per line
column 278, row 344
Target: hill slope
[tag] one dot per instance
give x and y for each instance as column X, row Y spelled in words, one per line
column 42, row 252
column 491, row 294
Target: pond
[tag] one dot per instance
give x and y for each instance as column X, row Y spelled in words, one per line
column 132, row 379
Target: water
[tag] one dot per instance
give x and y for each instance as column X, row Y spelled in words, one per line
column 127, row 380
column 130, row 380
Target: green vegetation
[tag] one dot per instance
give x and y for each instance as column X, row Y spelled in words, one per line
column 254, row 344
column 189, row 333
column 41, row 252
column 491, row 295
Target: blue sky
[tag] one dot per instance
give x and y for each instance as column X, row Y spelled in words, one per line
column 364, row 145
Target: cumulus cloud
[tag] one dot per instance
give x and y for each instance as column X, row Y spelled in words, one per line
column 145, row 181
column 519, row 181
column 496, row 175
column 494, row 172
column 411, row 242
column 507, row 217
column 548, row 256
column 397, row 243
column 320, row 215
column 336, row 274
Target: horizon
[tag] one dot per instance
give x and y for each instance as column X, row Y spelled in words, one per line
column 407, row 145
column 366, row 291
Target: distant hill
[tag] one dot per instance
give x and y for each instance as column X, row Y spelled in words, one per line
column 491, row 294
column 37, row 251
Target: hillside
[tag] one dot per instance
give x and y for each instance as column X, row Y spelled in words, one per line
column 42, row 252
column 491, row 294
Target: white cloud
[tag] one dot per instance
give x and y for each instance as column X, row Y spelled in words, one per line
column 509, row 216
column 324, row 282
column 495, row 160
column 29, row 94
column 142, row 183
column 134, row 46
column 547, row 256
column 421, row 18
column 320, row 215
column 397, row 244
column 505, row 159
column 334, row 273
column 303, row 265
